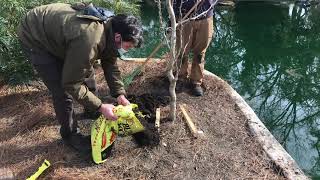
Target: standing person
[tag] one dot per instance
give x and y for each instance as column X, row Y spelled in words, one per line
column 63, row 42
column 194, row 36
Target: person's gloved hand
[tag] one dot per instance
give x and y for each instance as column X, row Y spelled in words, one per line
column 123, row 100
column 107, row 111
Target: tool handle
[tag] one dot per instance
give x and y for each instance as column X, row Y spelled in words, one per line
column 40, row 170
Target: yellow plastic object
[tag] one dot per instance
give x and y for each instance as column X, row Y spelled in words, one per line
column 42, row 168
column 104, row 132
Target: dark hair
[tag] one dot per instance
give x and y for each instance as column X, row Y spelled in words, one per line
column 129, row 27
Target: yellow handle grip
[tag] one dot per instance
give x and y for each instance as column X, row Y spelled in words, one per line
column 42, row 168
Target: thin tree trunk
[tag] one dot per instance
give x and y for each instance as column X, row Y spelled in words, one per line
column 172, row 87
column 173, row 63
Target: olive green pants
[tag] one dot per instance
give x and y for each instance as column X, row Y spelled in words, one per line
column 49, row 69
column 194, row 36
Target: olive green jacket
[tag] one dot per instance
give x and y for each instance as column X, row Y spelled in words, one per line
column 78, row 41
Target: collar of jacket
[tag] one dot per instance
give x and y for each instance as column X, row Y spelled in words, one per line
column 111, row 48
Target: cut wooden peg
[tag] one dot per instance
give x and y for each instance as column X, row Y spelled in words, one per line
column 190, row 123
column 157, row 122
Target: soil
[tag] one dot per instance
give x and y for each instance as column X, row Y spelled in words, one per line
column 29, row 134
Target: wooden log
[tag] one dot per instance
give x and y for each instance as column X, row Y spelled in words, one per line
column 139, row 60
column 189, row 121
column 6, row 173
column 157, row 122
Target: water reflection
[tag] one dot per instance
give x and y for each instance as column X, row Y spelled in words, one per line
column 270, row 55
column 152, row 33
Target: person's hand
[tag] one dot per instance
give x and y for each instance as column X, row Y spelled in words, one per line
column 107, row 111
column 123, row 100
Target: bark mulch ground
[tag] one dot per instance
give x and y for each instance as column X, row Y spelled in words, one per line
column 29, row 134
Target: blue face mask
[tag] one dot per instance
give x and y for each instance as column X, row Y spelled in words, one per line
column 121, row 50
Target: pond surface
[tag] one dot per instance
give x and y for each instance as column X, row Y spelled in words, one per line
column 269, row 53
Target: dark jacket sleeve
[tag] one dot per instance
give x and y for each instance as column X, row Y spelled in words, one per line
column 113, row 76
column 81, row 51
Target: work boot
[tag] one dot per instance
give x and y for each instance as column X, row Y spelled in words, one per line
column 197, row 90
column 79, row 142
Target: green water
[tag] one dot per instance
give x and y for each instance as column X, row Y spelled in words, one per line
column 270, row 54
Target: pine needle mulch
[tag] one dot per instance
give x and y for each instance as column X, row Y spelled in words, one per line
column 29, row 134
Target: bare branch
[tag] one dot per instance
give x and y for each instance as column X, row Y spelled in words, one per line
column 197, row 16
